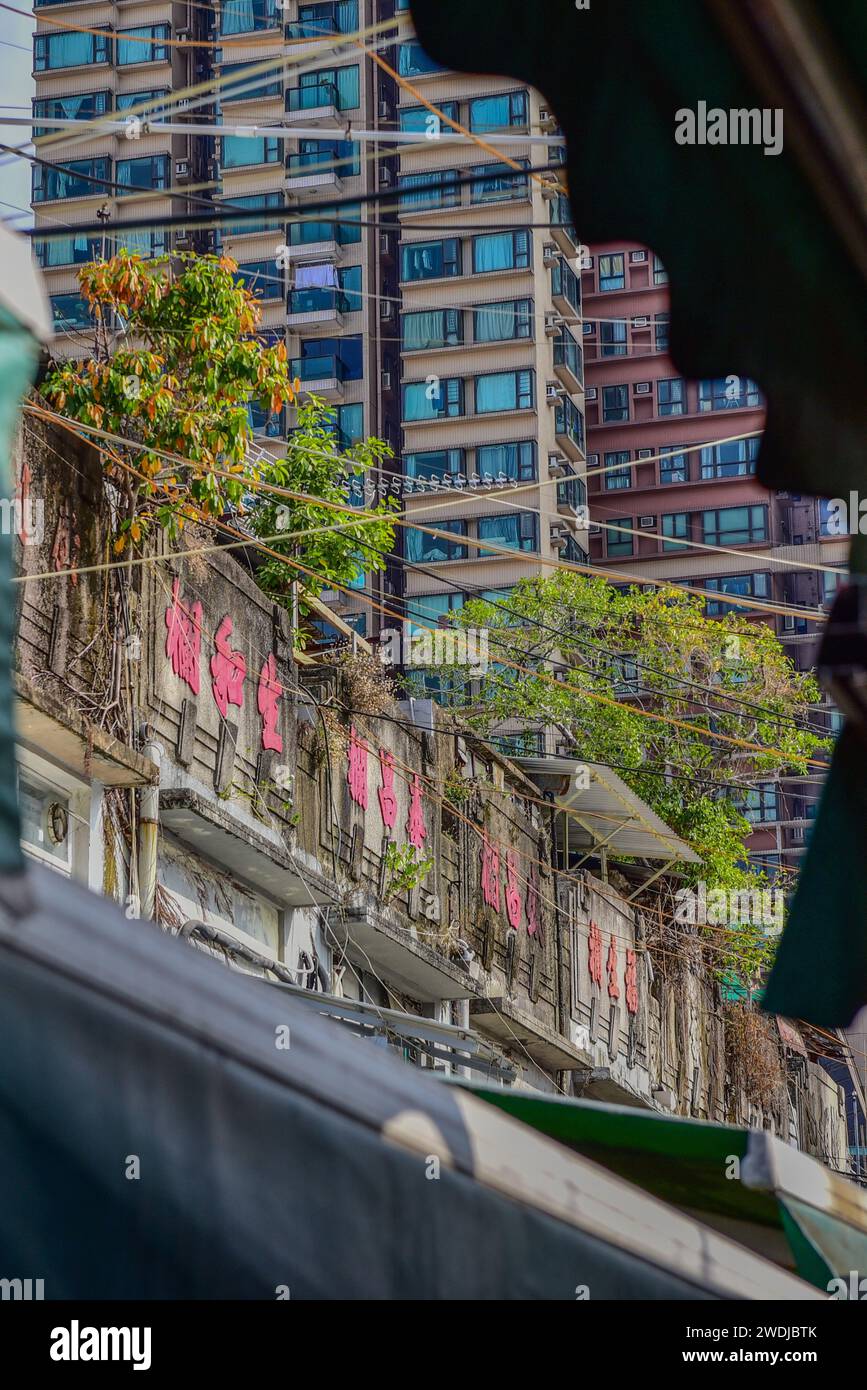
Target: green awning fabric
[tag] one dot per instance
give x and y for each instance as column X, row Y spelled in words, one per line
column 744, row 1183
column 767, row 261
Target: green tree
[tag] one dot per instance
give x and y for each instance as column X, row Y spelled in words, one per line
column 178, row 380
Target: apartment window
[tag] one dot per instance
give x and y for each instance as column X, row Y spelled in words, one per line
column 504, row 391
column 425, row 610
column 735, row 525
column 83, row 106
column 133, row 175
column 565, row 283
column 619, row 543
column 830, row 584
column 727, row 393
column 676, row 526
column 615, row 404
column 412, row 61
column 244, row 16
column 261, row 278
column 437, row 188
column 660, row 274
column 326, row 227
column 239, row 151
column 507, row 462
column 612, row 338
column 568, row 353
column 499, row 113
column 660, row 329
column 68, row 50
column 350, row 424
column 673, row 465
column 424, row 549
column 430, row 260
column 572, row 492
column 124, row 101
column 431, row 328
column 612, row 275
column 498, row 183
column 441, row 465
column 68, row 250
column 516, row 530
column 76, row 179
column 736, row 459
column 442, row 399
column 70, row 311
column 670, row 396
column 620, row 474
column 46, row 825
column 741, row 585
column 144, row 44
column 252, row 201
column 418, row 118
column 568, row 420
column 326, row 87
column 494, row 323
column 341, row 156
column 347, row 349
column 236, row 85
column 315, row 21
column 141, row 242
column 501, row 251
column 760, row 804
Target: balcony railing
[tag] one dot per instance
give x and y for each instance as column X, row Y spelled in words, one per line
column 325, row 20
column 569, row 424
column 565, row 288
column 562, row 224
column 572, row 493
column 312, row 98
column 316, row 368
column 569, row 356
column 317, row 301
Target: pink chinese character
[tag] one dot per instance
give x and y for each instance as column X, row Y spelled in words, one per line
column 513, row 896
column 594, row 954
column 631, row 979
column 386, row 793
column 268, row 698
column 490, row 874
column 611, row 966
column 356, row 775
column 228, row 669
column 184, row 638
column 415, row 826
column 532, row 902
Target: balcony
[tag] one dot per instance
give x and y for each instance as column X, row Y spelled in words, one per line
column 316, row 306
column 569, row 428
column 323, row 22
column 313, row 103
column 564, row 234
column 572, row 498
column 302, row 172
column 569, row 362
column 566, row 291
column 320, row 375
column 327, row 249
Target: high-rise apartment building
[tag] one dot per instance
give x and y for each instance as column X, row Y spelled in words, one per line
column 697, row 517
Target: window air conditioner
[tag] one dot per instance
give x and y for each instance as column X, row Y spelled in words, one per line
column 592, row 460
column 636, row 257
column 550, row 324
column 385, row 110
column 549, row 253
column 546, row 120
column 556, row 465
column 385, row 380
column 552, row 391
column 647, row 523
column 384, row 244
column 182, row 170
column 642, row 388
column 645, row 453
column 590, row 393
column 385, row 178
column 641, row 322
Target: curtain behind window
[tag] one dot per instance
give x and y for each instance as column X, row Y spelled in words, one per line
column 493, row 252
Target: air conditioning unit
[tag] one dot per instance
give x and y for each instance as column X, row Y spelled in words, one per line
column 552, row 391
column 182, row 170
column 182, row 34
column 556, row 465
column 798, row 834
column 641, row 322
column 642, row 388
column 386, row 309
column 590, row 393
column 385, row 380
column 385, row 111
column 386, row 178
column 384, row 244
column 647, row 523
column 184, row 101
column 645, row 453
column 636, row 257
column 546, row 120
column 182, row 242
column 549, row 192
column 592, row 460
column 550, row 324
column 549, row 254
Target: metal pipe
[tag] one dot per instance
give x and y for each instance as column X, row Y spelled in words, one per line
column 148, row 835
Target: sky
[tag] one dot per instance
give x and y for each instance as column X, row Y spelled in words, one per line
column 16, row 89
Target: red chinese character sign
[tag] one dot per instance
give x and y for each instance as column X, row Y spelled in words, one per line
column 184, row 638
column 631, row 981
column 267, row 700
column 611, row 966
column 513, row 895
column 490, row 874
column 594, row 954
column 386, row 792
column 228, row 669
column 356, row 775
column 415, row 826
